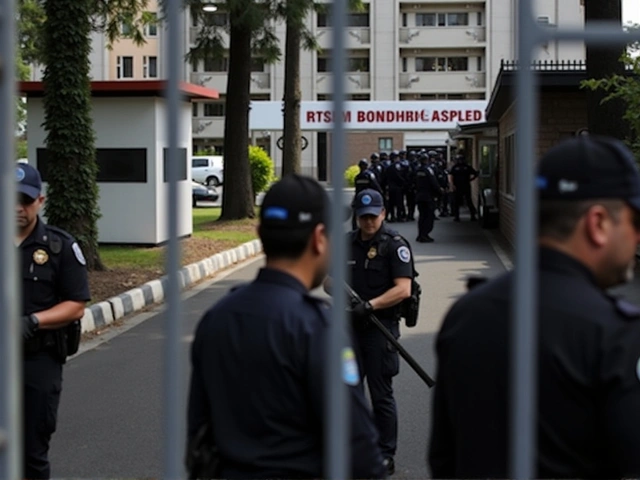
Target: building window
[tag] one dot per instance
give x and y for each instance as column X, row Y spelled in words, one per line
column 354, row 64
column 194, row 109
column 510, row 164
column 360, row 19
column 457, row 19
column 125, row 28
column 430, row 64
column 212, row 109
column 124, row 67
column 425, row 19
column 479, row 64
column 150, row 67
column 457, row 64
column 217, row 19
column 257, row 64
column 151, row 27
column 216, row 64
column 385, row 144
column 479, row 20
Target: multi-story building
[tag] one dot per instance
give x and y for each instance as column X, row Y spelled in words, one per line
column 397, row 50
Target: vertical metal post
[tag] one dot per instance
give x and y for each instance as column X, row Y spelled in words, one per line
column 524, row 302
column 10, row 342
column 337, row 436
column 173, row 386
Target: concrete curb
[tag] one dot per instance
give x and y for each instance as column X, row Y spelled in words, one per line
column 101, row 314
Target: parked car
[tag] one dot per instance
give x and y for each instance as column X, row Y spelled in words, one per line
column 207, row 170
column 203, row 193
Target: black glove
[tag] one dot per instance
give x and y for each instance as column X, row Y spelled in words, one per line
column 361, row 308
column 30, row 324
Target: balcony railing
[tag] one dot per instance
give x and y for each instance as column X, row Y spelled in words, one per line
column 208, row 127
column 357, row 37
column 355, row 82
column 437, row 37
column 260, row 81
column 442, row 82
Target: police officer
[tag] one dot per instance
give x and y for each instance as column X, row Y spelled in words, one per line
column 55, row 290
column 588, row 344
column 460, row 177
column 381, row 272
column 363, row 180
column 412, row 165
column 396, row 181
column 427, row 190
column 259, row 355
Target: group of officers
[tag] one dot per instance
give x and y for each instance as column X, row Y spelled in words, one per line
column 419, row 180
column 257, row 401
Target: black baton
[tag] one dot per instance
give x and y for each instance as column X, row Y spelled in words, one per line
column 403, row 353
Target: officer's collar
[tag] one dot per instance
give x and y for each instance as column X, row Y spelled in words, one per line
column 273, row 275
column 375, row 238
column 551, row 259
column 38, row 235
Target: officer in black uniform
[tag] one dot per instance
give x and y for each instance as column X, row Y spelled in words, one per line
column 396, row 177
column 427, row 190
column 365, row 179
column 55, row 290
column 412, row 165
column 259, row 355
column 588, row 366
column 460, row 178
column 381, row 271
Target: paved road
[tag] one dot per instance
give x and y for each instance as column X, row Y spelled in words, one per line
column 110, row 415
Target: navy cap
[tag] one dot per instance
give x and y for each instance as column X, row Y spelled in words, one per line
column 29, row 180
column 294, row 203
column 363, row 163
column 589, row 167
column 368, row 202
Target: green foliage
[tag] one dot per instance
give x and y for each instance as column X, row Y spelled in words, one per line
column 262, row 169
column 627, row 88
column 206, row 151
column 72, row 190
column 350, row 175
column 21, row 148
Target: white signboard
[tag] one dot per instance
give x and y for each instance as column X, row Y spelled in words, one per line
column 401, row 115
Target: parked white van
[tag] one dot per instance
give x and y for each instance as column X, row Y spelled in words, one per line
column 207, row 170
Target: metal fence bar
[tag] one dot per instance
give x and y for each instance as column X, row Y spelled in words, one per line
column 10, row 343
column 524, row 302
column 337, row 437
column 173, row 388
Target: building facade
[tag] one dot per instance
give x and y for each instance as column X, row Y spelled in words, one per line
column 398, row 51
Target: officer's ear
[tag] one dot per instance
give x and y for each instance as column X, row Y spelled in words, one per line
column 319, row 239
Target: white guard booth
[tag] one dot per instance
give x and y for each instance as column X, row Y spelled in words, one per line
column 130, row 123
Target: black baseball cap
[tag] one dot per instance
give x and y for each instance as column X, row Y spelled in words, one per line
column 295, row 203
column 589, row 167
column 368, row 202
column 363, row 163
column 29, row 180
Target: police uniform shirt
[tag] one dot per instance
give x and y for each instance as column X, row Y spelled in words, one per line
column 462, row 173
column 53, row 269
column 376, row 263
column 259, row 365
column 588, row 380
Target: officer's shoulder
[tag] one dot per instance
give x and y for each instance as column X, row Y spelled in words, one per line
column 393, row 236
column 624, row 309
column 66, row 236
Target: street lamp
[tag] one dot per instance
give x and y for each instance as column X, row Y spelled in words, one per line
column 209, row 7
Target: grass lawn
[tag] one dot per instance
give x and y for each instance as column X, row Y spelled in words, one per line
column 206, row 228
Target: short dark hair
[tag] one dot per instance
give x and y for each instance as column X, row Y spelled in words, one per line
column 285, row 244
column 558, row 219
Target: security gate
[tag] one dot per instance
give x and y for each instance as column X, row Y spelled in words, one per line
column 523, row 388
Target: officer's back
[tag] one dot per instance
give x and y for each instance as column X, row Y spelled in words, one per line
column 588, row 402
column 259, row 354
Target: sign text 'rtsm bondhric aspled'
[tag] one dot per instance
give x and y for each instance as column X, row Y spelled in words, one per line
column 395, row 116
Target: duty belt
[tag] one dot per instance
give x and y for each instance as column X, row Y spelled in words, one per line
column 43, row 341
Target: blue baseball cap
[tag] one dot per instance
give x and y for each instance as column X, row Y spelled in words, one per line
column 368, row 202
column 29, row 180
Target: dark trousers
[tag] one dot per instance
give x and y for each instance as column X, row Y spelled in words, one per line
column 461, row 195
column 379, row 362
column 42, row 387
column 396, row 204
column 426, row 210
column 410, row 196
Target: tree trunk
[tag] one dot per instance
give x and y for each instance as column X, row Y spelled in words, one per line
column 237, row 196
column 292, row 150
column 71, row 170
column 603, row 61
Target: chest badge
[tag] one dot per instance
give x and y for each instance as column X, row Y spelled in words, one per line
column 40, row 256
column 371, row 254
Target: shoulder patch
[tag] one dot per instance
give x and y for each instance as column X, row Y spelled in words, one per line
column 404, row 254
column 77, row 251
column 350, row 372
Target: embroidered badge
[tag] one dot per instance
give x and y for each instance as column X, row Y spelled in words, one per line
column 19, row 174
column 78, row 253
column 350, row 373
column 404, row 254
column 366, row 199
column 40, row 256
